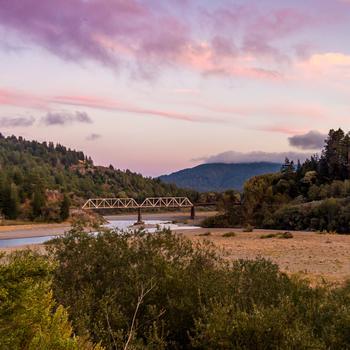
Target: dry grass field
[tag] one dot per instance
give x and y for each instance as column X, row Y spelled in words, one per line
column 315, row 256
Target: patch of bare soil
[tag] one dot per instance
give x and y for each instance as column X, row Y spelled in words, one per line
column 315, row 256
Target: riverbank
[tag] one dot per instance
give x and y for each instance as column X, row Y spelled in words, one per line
column 315, row 256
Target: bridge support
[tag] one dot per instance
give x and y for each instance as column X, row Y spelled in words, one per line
column 193, row 212
column 139, row 217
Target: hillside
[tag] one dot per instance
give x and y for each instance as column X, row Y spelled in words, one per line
column 36, row 178
column 219, row 176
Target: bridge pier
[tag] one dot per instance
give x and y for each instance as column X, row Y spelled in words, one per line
column 139, row 217
column 193, row 212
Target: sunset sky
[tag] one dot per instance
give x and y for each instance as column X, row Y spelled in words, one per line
column 159, row 85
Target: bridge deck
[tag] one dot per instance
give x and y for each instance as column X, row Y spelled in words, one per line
column 130, row 203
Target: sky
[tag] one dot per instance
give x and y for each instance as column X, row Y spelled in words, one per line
column 155, row 86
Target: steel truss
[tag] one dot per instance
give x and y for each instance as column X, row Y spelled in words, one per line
column 130, row 203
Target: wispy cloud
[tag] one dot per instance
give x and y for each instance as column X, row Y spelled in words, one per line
column 93, row 137
column 64, row 118
column 252, row 157
column 13, row 98
column 13, row 122
column 313, row 140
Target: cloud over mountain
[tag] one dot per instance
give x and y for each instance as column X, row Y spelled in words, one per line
column 313, row 140
column 252, row 157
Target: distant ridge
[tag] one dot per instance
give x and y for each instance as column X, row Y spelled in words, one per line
column 219, row 176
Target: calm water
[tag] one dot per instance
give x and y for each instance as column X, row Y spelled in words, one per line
column 116, row 224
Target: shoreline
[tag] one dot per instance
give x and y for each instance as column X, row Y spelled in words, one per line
column 310, row 255
column 42, row 230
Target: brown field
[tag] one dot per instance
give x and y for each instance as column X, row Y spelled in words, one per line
column 315, row 256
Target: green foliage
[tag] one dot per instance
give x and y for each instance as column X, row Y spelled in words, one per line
column 311, row 196
column 9, row 200
column 39, row 173
column 205, row 234
column 38, row 201
column 64, row 208
column 282, row 235
column 29, row 317
column 248, row 228
column 161, row 291
column 229, row 234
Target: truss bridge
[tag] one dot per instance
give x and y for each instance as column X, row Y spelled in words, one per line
column 131, row 203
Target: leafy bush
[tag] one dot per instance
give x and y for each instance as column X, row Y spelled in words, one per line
column 162, row 291
column 248, row 228
column 283, row 235
column 205, row 234
column 229, row 234
column 29, row 316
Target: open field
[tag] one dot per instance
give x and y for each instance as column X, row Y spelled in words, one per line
column 315, row 256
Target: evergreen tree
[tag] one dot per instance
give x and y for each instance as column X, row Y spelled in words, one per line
column 64, row 208
column 288, row 167
column 38, row 201
column 10, row 201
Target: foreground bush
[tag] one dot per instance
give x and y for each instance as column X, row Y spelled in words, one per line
column 160, row 291
column 29, row 317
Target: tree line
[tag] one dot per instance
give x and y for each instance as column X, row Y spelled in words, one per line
column 309, row 196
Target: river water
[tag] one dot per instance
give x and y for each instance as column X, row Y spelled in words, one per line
column 115, row 224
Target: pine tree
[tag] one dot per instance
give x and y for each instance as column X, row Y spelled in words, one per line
column 288, row 167
column 64, row 209
column 38, row 201
column 10, row 201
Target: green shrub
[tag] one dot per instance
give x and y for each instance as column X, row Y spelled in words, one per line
column 248, row 228
column 282, row 235
column 285, row 235
column 268, row 235
column 205, row 234
column 182, row 295
column 29, row 316
column 229, row 234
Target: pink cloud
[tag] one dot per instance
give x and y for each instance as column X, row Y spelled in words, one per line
column 101, row 103
column 20, row 99
column 290, row 110
column 284, row 130
column 49, row 102
column 250, row 40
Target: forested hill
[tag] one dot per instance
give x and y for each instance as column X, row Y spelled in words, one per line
column 219, row 176
column 38, row 180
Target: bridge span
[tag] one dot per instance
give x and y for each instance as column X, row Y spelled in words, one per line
column 131, row 203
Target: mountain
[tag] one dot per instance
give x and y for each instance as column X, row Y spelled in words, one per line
column 36, row 177
column 219, row 176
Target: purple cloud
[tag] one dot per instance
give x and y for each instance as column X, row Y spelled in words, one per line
column 63, row 118
column 311, row 140
column 93, row 137
column 155, row 33
column 13, row 122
